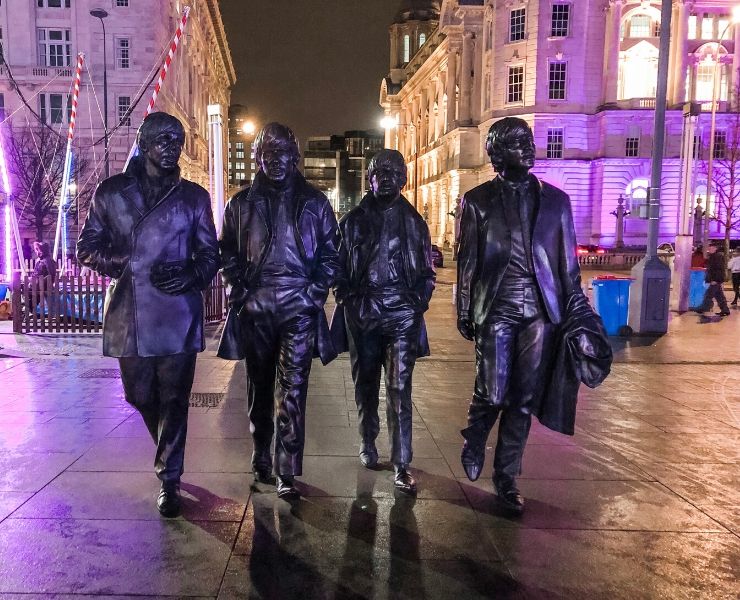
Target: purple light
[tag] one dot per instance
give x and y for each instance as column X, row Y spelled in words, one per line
column 7, row 269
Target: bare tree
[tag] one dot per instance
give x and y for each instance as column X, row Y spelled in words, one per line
column 36, row 164
column 726, row 171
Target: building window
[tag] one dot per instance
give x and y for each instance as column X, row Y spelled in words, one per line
column 692, row 27
column 51, row 108
column 636, row 194
column 55, row 49
column 720, row 144
column 632, row 146
column 556, row 80
column 517, row 23
column 406, row 48
column 2, row 106
column 124, row 103
column 560, row 20
column 240, row 145
column 240, row 166
column 696, row 150
column 53, row 3
column 422, row 39
column 240, row 153
column 123, row 53
column 121, row 2
column 515, row 88
column 555, row 142
column 705, row 81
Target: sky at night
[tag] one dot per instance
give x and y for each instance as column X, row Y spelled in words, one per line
column 315, row 65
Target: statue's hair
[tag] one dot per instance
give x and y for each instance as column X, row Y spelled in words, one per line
column 276, row 134
column 386, row 156
column 500, row 135
column 42, row 248
column 155, row 122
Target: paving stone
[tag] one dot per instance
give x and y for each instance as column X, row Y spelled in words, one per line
column 85, row 556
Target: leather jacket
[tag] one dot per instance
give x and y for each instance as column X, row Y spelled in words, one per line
column 359, row 232
column 247, row 234
column 485, row 250
column 123, row 239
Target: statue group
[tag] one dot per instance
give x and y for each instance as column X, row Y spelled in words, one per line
column 281, row 252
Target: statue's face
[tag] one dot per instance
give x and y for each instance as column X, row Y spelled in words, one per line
column 163, row 150
column 518, row 152
column 277, row 162
column 388, row 179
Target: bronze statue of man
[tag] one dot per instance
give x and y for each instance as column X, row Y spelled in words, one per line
column 152, row 232
column 383, row 288
column 279, row 255
column 517, row 274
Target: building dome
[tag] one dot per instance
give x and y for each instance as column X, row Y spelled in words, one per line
column 418, row 10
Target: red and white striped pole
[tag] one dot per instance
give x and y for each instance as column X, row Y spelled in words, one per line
column 163, row 74
column 68, row 156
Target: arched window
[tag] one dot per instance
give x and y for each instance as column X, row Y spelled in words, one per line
column 638, row 71
column 641, row 25
column 422, row 39
column 636, row 194
column 704, row 74
column 406, row 48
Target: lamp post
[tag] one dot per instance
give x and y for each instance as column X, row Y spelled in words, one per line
column 101, row 14
column 713, row 121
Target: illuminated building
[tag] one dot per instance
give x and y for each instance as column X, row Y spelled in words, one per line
column 583, row 74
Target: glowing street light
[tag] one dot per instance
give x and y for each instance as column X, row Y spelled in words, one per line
column 248, row 128
column 389, row 122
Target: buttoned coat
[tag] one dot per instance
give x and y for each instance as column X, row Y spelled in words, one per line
column 139, row 319
column 247, row 234
column 485, row 250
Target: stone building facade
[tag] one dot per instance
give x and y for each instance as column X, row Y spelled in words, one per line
column 41, row 39
column 583, row 73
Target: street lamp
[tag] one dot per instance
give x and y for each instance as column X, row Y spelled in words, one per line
column 715, row 93
column 101, row 14
column 248, row 128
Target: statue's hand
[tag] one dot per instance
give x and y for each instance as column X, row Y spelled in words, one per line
column 466, row 327
column 173, row 278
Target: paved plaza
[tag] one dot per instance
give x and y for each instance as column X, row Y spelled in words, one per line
column 641, row 503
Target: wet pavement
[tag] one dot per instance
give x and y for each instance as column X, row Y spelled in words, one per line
column 641, row 503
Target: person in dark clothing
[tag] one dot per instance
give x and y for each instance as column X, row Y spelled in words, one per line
column 153, row 234
column 385, row 283
column 279, row 255
column 734, row 266
column 715, row 277
column 517, row 273
column 46, row 266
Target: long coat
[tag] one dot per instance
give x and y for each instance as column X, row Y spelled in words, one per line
column 139, row 319
column 485, row 250
column 359, row 232
column 247, row 234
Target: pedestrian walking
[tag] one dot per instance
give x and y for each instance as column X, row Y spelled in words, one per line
column 734, row 266
column 715, row 277
column 153, row 234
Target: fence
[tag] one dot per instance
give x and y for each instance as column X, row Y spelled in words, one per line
column 74, row 303
column 614, row 261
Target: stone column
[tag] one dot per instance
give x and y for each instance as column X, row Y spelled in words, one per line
column 735, row 79
column 681, row 60
column 466, row 80
column 423, row 107
column 451, row 87
column 394, row 50
column 611, row 53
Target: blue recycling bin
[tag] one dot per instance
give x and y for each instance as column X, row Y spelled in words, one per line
column 697, row 287
column 3, row 291
column 612, row 300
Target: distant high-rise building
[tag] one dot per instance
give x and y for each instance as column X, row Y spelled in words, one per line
column 242, row 131
column 337, row 165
